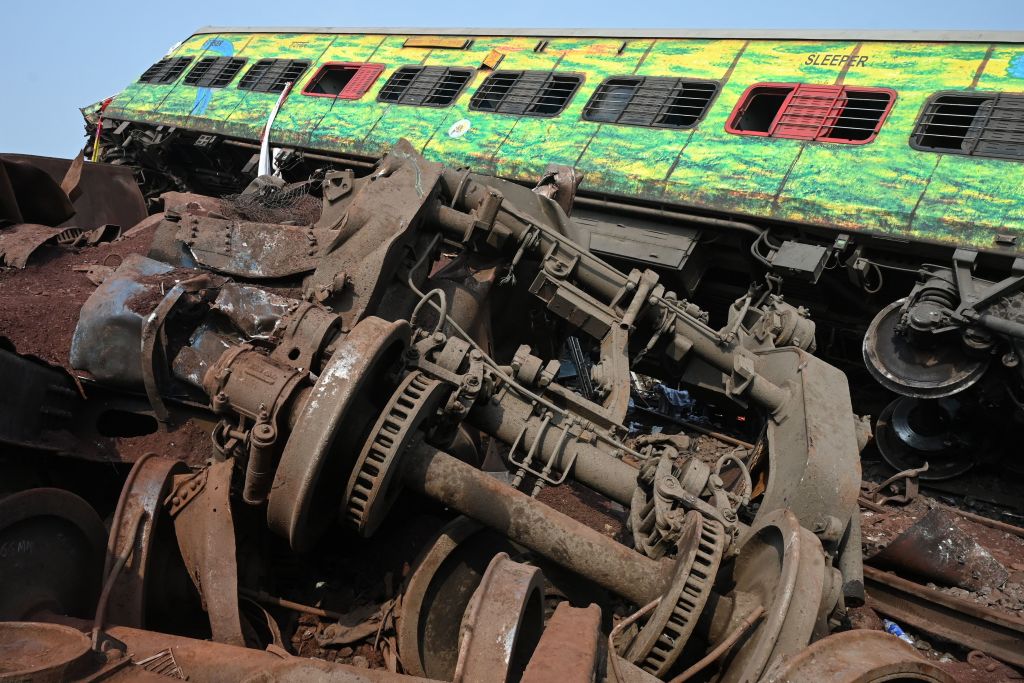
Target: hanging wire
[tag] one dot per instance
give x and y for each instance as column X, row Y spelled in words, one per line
column 442, row 308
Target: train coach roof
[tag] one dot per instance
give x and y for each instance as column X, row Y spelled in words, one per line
column 955, row 36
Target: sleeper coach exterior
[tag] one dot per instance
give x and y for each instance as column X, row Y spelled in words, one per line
column 916, row 137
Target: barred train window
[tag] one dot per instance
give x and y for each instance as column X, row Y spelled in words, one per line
column 979, row 124
column 166, row 70
column 271, row 75
column 343, row 80
column 822, row 113
column 526, row 93
column 214, row 72
column 425, row 86
column 652, row 101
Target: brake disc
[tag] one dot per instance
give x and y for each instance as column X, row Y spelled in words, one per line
column 371, row 490
column 662, row 639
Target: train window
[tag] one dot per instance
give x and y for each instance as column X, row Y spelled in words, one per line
column 343, row 80
column 166, row 70
column 980, row 124
column 822, row 113
column 425, row 86
column 652, row 101
column 526, row 93
column 271, row 75
column 214, row 72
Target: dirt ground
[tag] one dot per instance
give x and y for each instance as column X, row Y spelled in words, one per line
column 42, row 301
column 1008, row 549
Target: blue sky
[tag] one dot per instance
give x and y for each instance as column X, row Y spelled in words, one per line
column 59, row 55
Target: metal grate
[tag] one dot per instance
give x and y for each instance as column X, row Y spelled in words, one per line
column 822, row 113
column 652, row 101
column 271, row 75
column 166, row 70
column 425, row 86
column 979, row 124
column 162, row 664
column 526, row 93
column 214, row 72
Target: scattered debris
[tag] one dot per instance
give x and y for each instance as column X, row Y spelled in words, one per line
column 329, row 447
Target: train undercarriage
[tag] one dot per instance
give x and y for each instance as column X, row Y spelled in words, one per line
column 371, row 420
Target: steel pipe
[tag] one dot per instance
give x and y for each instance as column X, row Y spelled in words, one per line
column 534, row 525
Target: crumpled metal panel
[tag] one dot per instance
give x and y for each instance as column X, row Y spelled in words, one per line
column 100, row 194
column 108, row 338
column 249, row 249
column 253, row 310
column 19, row 242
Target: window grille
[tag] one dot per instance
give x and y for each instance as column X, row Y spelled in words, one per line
column 652, row 101
column 979, row 124
column 526, row 93
column 822, row 113
column 166, row 70
column 271, row 75
column 214, row 72
column 425, row 86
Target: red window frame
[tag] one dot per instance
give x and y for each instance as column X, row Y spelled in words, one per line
column 809, row 112
column 366, row 74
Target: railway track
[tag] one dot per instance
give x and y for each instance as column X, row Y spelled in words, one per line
column 945, row 616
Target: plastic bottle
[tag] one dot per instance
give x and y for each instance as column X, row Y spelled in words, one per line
column 894, row 628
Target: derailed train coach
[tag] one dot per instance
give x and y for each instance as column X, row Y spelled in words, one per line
column 874, row 179
column 515, row 358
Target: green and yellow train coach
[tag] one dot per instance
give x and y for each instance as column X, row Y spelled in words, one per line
column 874, row 179
column 918, row 137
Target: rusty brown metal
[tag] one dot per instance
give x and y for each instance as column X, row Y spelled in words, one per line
column 438, row 592
column 33, row 195
column 667, row 631
column 502, row 623
column 534, row 525
column 201, row 507
column 370, row 492
column 200, row 661
column 937, row 549
column 145, row 490
column 41, row 653
column 569, row 651
column 780, row 567
column 102, row 194
column 247, row 249
column 19, row 242
column 945, row 616
column 307, row 486
column 559, row 184
column 337, row 387
column 857, row 657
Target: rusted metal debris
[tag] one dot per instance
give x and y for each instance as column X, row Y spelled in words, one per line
column 937, row 549
column 45, row 200
column 372, row 366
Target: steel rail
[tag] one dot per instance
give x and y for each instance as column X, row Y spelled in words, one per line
column 945, row 616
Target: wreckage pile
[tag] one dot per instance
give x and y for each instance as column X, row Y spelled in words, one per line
column 329, row 419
